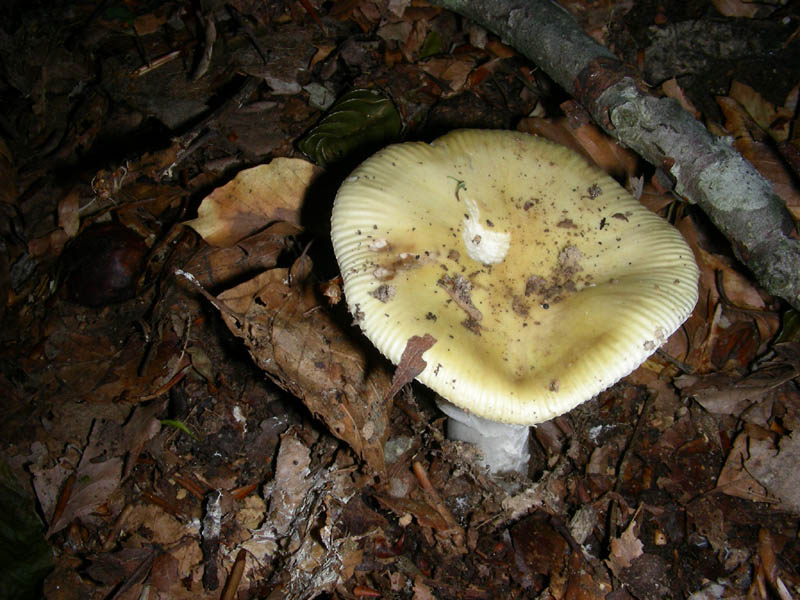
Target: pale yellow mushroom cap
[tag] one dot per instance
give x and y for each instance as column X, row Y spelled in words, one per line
column 542, row 280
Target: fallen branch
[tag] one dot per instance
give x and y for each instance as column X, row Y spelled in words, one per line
column 706, row 169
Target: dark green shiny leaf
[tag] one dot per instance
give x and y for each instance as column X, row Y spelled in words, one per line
column 25, row 556
column 790, row 329
column 358, row 123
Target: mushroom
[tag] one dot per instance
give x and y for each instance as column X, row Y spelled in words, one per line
column 541, row 279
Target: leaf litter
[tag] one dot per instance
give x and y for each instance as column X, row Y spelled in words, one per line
column 316, row 468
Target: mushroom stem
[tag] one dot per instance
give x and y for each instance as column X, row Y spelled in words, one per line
column 504, row 447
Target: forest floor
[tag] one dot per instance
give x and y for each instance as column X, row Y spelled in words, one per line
column 199, row 437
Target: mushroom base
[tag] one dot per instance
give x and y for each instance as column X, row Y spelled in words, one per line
column 504, row 447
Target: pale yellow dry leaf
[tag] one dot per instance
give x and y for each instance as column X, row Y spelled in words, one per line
column 68, row 213
column 253, row 199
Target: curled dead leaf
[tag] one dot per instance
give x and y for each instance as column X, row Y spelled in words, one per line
column 253, row 199
column 296, row 342
column 411, row 363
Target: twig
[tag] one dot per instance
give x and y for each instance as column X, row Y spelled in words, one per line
column 438, row 504
column 119, row 523
column 220, row 306
column 209, row 38
column 186, row 141
column 63, row 499
column 232, row 584
column 682, row 366
column 249, row 32
column 156, row 63
column 637, row 430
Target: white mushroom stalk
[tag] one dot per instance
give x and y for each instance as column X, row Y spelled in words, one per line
column 503, row 447
column 542, row 280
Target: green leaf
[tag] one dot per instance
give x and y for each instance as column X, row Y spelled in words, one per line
column 25, row 556
column 180, row 425
column 790, row 329
column 119, row 12
column 432, row 45
column 358, row 123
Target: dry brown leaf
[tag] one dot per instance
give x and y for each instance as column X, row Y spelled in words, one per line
column 605, row 151
column 499, row 49
column 323, row 52
column 776, row 468
column 214, row 267
column 411, row 363
column 164, row 572
column 141, row 427
column 112, row 568
column 586, row 139
column 68, row 215
column 790, row 151
column 555, row 130
column 49, row 481
column 451, row 70
column 734, row 480
column 421, row 590
column 149, row 23
column 292, row 482
column 426, row 515
column 415, row 39
column 736, row 8
column 586, row 581
column 166, row 529
column 292, row 337
column 720, row 393
column 94, row 483
column 749, row 140
column 774, row 120
column 8, row 176
column 396, row 31
column 253, row 199
column 705, row 517
column 625, row 548
column 672, row 89
column 126, row 378
column 769, row 565
column 540, row 549
column 49, row 244
column 710, row 328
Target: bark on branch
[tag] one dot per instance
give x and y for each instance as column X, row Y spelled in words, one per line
column 706, row 169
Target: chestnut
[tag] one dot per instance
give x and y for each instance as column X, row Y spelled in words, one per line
column 102, row 265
